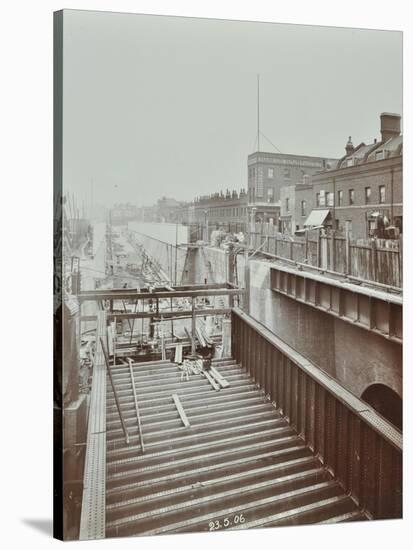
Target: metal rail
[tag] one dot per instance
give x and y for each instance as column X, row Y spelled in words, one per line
column 135, row 398
column 360, row 448
column 105, row 353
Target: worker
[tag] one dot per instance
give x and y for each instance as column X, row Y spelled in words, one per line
column 206, row 352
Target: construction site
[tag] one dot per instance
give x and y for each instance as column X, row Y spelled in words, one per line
column 186, row 409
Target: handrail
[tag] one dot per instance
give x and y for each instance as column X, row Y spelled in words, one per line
column 135, row 398
column 359, row 447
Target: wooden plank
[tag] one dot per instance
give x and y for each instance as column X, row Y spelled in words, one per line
column 200, row 337
column 110, row 340
column 211, row 380
column 180, row 409
column 219, row 378
column 178, row 353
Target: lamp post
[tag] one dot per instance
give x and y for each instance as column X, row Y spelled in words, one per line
column 253, row 213
column 206, row 225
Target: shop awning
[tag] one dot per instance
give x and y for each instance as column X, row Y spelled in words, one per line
column 316, row 218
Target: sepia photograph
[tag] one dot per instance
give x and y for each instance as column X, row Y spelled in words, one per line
column 228, row 275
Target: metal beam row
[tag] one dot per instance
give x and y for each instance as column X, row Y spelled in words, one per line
column 377, row 312
column 133, row 294
column 210, row 286
column 184, row 314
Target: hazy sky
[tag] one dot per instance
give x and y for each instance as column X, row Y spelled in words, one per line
column 167, row 105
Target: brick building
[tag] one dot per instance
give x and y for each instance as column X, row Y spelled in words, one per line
column 291, row 211
column 216, row 209
column 363, row 192
column 269, row 173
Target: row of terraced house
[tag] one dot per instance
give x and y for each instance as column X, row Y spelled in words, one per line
column 361, row 192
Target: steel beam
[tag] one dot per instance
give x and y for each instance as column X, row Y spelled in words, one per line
column 186, row 314
column 131, row 294
column 377, row 311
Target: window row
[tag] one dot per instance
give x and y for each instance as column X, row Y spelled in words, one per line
column 229, row 212
column 270, row 172
column 326, row 198
column 258, row 193
column 303, row 206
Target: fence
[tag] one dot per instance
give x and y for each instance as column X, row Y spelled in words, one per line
column 360, row 449
column 378, row 260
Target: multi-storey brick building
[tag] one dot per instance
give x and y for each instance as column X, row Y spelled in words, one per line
column 269, row 173
column 291, row 211
column 216, row 209
column 362, row 193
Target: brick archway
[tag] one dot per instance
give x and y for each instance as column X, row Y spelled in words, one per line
column 386, row 401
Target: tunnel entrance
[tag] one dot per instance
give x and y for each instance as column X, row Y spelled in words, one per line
column 386, row 401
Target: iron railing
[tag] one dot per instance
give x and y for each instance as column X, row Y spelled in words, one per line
column 360, row 448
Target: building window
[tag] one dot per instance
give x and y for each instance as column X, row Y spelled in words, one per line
column 340, row 198
column 271, row 173
column 351, row 196
column 367, row 195
column 303, row 208
column 323, row 198
column 382, row 194
column 330, row 199
column 259, row 192
column 287, row 173
column 317, row 199
column 287, row 205
column 270, row 194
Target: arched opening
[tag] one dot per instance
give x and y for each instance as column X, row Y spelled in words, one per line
column 386, row 402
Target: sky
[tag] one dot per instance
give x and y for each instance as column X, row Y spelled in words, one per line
column 167, row 106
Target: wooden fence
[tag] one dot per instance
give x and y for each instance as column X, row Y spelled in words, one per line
column 378, row 260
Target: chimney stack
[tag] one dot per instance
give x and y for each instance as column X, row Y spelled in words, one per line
column 389, row 126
